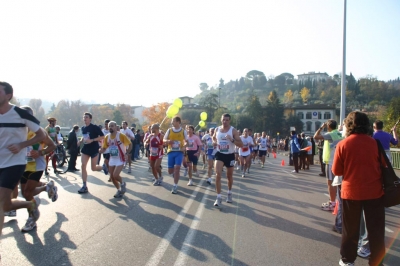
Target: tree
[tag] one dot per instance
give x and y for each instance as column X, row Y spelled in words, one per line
column 292, row 121
column 273, row 99
column 305, row 94
column 127, row 113
column 221, row 83
column 38, row 111
column 191, row 117
column 203, row 86
column 210, row 103
column 288, row 97
column 156, row 114
column 117, row 117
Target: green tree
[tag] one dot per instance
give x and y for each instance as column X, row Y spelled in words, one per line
column 210, row 103
column 203, row 86
column 117, row 117
column 292, row 121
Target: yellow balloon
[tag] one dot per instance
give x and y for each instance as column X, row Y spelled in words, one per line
column 202, row 124
column 173, row 109
column 178, row 103
column 169, row 115
column 203, row 116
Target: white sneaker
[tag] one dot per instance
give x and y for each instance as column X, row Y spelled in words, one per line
column 363, row 252
column 29, row 225
column 341, row 263
column 190, row 182
column 49, row 189
column 209, row 180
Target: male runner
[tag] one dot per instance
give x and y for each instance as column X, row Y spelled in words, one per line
column 117, row 144
column 92, row 134
column 262, row 150
column 155, row 143
column 14, row 124
column 127, row 132
column 211, row 150
column 226, row 137
column 175, row 138
column 52, row 132
column 245, row 151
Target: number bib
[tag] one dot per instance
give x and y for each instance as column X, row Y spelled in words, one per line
column 245, row 148
column 176, row 145
column 191, row 143
column 224, row 146
column 28, row 154
column 114, row 151
column 154, row 151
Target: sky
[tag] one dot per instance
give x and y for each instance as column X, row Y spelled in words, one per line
column 146, row 52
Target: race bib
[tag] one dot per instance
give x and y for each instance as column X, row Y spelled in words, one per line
column 245, row 148
column 28, row 154
column 224, row 146
column 154, row 151
column 114, row 151
column 191, row 143
column 86, row 138
column 176, row 145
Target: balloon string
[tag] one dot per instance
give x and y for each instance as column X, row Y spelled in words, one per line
column 163, row 121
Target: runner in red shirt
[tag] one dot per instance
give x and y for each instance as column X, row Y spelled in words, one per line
column 155, row 142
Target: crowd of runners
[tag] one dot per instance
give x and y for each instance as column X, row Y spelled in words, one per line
column 26, row 148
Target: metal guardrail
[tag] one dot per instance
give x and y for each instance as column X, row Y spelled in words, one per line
column 395, row 158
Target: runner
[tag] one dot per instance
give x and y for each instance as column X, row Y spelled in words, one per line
column 155, row 143
column 106, row 153
column 14, row 125
column 52, row 132
column 175, row 138
column 91, row 137
column 262, row 142
column 211, row 150
column 127, row 132
column 30, row 181
column 193, row 150
column 245, row 151
column 226, row 137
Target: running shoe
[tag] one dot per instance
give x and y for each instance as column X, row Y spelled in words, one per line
column 123, row 188
column 209, row 180
column 34, row 211
column 11, row 213
column 83, row 189
column 29, row 225
column 55, row 194
column 46, row 172
column 363, row 252
column 243, row 175
column 218, row 202
column 157, row 183
column 341, row 263
column 248, row 171
column 329, row 207
column 174, row 190
column 190, row 182
column 49, row 189
column 105, row 170
column 186, row 172
column 129, row 170
column 262, row 165
column 160, row 179
column 118, row 194
column 326, row 203
column 229, row 198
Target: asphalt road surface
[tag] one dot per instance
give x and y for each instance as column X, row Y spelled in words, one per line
column 275, row 219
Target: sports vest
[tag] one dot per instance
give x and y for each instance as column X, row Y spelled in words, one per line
column 178, row 139
column 336, row 136
column 224, row 145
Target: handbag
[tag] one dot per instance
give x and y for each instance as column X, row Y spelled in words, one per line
column 390, row 182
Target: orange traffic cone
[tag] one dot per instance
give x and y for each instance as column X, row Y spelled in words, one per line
column 274, row 155
column 336, row 208
column 283, row 163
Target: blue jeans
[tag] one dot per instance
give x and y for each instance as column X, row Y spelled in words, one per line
column 137, row 149
column 338, row 220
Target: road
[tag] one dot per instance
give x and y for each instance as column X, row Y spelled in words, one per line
column 275, row 219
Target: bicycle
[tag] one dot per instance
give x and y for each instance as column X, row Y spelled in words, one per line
column 61, row 155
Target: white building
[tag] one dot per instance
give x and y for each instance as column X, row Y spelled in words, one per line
column 137, row 113
column 312, row 76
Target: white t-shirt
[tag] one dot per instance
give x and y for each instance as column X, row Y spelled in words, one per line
column 127, row 132
column 14, row 129
column 247, row 142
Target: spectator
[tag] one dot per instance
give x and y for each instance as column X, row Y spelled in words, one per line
column 361, row 190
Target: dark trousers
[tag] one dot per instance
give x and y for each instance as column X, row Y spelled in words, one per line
column 296, row 161
column 375, row 220
column 321, row 162
column 72, row 160
column 303, row 156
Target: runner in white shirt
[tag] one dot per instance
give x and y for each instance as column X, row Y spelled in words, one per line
column 14, row 124
column 210, row 149
column 244, row 151
column 262, row 150
column 127, row 132
column 118, row 144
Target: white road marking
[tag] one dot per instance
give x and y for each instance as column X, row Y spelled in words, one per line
column 187, row 243
column 68, row 186
column 162, row 247
column 326, row 195
column 388, row 230
column 289, row 173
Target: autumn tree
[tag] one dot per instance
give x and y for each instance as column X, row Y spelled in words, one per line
column 38, row 111
column 156, row 114
column 305, row 94
column 102, row 112
column 127, row 113
column 288, row 97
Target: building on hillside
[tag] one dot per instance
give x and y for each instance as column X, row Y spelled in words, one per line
column 312, row 116
column 312, row 76
column 187, row 103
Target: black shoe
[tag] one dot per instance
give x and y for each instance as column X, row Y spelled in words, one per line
column 76, row 169
column 322, row 174
column 70, row 170
column 334, row 229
